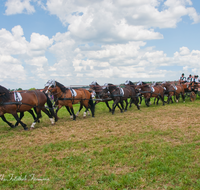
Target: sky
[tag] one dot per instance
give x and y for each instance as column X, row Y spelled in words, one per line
column 76, row 42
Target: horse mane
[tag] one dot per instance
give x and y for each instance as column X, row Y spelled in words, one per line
column 112, row 85
column 4, row 93
column 131, row 83
column 61, row 86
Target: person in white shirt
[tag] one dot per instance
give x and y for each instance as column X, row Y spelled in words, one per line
column 190, row 79
column 183, row 78
column 196, row 79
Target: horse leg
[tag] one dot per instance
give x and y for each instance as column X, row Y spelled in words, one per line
column 21, row 116
column 157, row 100
column 92, row 106
column 49, row 114
column 18, row 120
column 140, row 101
column 108, row 106
column 147, row 101
column 70, row 113
column 183, row 97
column 72, row 110
column 114, row 105
column 5, row 120
column 136, row 101
column 126, row 105
column 177, row 98
column 37, row 114
column 131, row 101
column 162, row 98
column 122, row 104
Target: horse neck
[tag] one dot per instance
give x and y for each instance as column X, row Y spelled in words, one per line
column 97, row 89
column 111, row 88
column 144, row 86
column 6, row 97
column 58, row 92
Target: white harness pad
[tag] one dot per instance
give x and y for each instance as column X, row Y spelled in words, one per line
column 175, row 87
column 74, row 94
column 152, row 89
column 17, row 96
column 121, row 91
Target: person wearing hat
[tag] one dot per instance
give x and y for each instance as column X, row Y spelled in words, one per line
column 190, row 79
column 183, row 78
column 196, row 79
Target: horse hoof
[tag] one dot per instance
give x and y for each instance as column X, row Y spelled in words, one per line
column 13, row 126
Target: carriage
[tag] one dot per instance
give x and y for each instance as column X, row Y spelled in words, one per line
column 192, row 89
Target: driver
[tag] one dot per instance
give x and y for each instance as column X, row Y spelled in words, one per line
column 196, row 79
column 190, row 79
column 183, row 78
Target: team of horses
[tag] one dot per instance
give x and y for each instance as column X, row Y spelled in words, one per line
column 35, row 101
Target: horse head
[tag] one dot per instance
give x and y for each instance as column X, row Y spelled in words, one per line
column 50, row 86
column 94, row 86
column 4, row 93
column 105, row 90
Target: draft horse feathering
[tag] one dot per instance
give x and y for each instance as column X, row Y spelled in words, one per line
column 64, row 97
column 30, row 99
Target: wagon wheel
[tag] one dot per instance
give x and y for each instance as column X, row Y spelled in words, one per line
column 192, row 96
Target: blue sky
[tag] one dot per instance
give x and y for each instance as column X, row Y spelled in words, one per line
column 77, row 42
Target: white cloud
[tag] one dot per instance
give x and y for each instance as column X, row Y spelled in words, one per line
column 18, row 7
column 105, row 40
column 11, row 69
column 114, row 21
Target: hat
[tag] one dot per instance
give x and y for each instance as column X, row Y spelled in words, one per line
column 190, row 75
column 182, row 73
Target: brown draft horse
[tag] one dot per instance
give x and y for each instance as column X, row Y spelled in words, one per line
column 64, row 97
column 94, row 86
column 174, row 90
column 134, row 93
column 118, row 95
column 30, row 99
column 148, row 92
column 68, row 109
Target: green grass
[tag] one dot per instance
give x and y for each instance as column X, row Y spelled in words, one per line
column 155, row 148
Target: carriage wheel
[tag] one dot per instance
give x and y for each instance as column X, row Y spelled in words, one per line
column 192, row 96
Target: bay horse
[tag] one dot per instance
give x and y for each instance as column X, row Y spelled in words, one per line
column 65, row 98
column 174, row 90
column 148, row 92
column 55, row 102
column 30, row 99
column 117, row 95
column 94, row 86
column 134, row 93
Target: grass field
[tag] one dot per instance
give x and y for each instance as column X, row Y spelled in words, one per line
column 155, row 148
